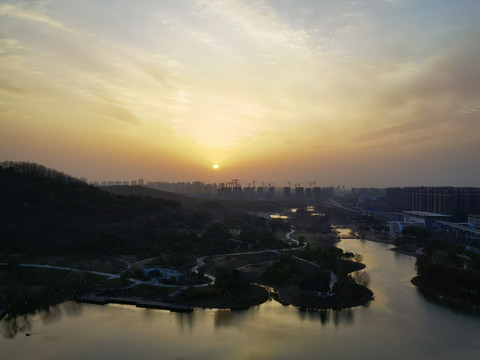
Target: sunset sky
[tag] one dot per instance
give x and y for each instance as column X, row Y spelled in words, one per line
column 356, row 93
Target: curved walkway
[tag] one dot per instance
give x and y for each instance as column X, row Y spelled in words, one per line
column 195, row 269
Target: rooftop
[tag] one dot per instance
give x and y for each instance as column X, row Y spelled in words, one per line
column 425, row 214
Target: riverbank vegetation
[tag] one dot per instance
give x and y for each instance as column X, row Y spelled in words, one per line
column 450, row 274
column 301, row 278
column 28, row 289
column 306, row 281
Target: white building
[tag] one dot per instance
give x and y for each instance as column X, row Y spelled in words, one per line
column 474, row 220
column 164, row 273
column 416, row 218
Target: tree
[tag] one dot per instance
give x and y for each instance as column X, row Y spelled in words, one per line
column 301, row 240
column 226, row 280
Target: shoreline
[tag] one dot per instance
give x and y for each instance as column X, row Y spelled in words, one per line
column 373, row 238
column 304, row 301
column 98, row 299
column 444, row 298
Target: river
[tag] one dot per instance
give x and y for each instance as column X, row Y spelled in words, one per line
column 400, row 323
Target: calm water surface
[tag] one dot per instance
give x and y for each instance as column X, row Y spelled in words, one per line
column 399, row 324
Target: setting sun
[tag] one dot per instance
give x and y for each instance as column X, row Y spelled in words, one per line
column 215, row 166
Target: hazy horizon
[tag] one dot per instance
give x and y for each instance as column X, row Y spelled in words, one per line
column 357, row 93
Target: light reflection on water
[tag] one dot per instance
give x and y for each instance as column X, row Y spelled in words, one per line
column 400, row 323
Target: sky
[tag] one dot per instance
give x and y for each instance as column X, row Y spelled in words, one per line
column 358, row 93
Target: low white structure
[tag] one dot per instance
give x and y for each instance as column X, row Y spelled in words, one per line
column 164, row 273
column 438, row 222
column 474, row 219
column 415, row 218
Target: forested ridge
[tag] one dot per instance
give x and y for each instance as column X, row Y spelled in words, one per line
column 45, row 210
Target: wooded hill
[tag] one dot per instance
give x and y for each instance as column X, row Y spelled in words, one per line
column 44, row 210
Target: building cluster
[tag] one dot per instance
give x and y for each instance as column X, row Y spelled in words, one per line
column 371, row 199
column 233, row 190
column 445, row 209
column 457, row 202
column 469, row 229
column 195, row 188
column 269, row 192
column 140, row 182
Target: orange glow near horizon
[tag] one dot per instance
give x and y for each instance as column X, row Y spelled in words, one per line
column 252, row 92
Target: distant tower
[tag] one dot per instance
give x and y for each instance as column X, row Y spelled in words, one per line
column 299, row 193
column 271, row 192
column 237, row 192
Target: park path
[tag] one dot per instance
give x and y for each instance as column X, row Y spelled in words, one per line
column 195, row 269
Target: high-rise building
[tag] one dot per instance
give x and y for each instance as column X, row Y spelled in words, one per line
column 237, row 192
column 224, row 192
column 457, row 202
column 271, row 193
column 474, row 220
column 299, row 193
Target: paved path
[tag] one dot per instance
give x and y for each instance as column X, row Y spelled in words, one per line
column 108, row 275
column 71, row 269
column 333, row 277
column 200, row 263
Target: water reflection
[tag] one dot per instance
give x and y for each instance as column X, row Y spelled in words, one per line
column 223, row 318
column 226, row 318
column 52, row 315
column 325, row 316
column 454, row 307
column 185, row 321
column 11, row 326
column 14, row 324
column 73, row 308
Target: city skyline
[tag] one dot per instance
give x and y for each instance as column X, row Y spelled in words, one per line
column 357, row 93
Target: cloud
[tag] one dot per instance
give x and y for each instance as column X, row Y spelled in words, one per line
column 453, row 72
column 13, row 89
column 431, row 101
column 19, row 12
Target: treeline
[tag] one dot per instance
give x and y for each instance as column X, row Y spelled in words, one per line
column 42, row 210
column 29, row 169
column 229, row 236
column 304, row 220
column 288, row 270
column 449, row 269
column 45, row 211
